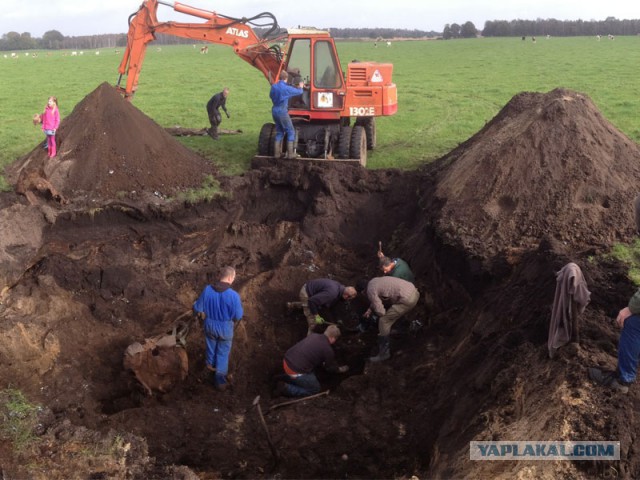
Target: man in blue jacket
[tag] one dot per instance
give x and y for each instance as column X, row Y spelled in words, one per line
column 220, row 307
column 280, row 94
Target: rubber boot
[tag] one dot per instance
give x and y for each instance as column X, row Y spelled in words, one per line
column 290, row 152
column 277, row 149
column 213, row 132
column 384, row 350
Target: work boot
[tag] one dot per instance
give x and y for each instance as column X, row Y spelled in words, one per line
column 290, row 152
column 277, row 149
column 608, row 379
column 213, row 132
column 384, row 350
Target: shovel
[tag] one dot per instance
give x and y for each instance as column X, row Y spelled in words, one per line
column 274, row 452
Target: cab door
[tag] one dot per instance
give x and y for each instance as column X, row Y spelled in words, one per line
column 327, row 88
column 315, row 62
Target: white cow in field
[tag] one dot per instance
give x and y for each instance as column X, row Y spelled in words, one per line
column 98, row 53
column 598, row 37
column 610, row 37
column 13, row 55
column 74, row 54
column 388, row 44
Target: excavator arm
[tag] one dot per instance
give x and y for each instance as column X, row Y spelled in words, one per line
column 261, row 53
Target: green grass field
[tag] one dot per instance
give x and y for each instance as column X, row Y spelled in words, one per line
column 447, row 90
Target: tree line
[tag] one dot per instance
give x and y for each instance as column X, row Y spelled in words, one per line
column 54, row 40
column 543, row 27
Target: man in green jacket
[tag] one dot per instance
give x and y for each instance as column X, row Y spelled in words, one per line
column 395, row 267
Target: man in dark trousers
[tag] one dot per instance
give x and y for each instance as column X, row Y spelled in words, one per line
column 303, row 358
column 220, row 308
column 219, row 100
column 317, row 294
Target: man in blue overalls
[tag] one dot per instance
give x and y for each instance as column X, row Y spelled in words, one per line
column 280, row 94
column 220, row 307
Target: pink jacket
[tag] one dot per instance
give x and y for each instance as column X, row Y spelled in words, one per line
column 50, row 118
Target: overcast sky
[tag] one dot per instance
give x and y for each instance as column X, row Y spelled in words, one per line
column 86, row 17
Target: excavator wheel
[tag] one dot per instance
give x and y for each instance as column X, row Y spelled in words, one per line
column 358, row 149
column 344, row 143
column 266, row 140
column 369, row 124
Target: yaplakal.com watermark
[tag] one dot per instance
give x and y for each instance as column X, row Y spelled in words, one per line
column 532, row 450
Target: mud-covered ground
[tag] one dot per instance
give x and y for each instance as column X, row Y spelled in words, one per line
column 90, row 266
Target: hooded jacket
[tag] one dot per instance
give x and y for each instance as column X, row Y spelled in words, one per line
column 222, row 307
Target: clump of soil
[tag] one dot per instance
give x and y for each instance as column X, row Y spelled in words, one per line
column 108, row 149
column 523, row 194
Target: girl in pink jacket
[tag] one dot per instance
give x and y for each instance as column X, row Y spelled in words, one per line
column 50, row 123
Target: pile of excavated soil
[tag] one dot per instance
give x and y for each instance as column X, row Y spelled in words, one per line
column 547, row 164
column 109, row 149
column 96, row 281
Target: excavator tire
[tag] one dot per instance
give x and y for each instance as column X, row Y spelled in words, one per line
column 358, row 149
column 344, row 143
column 266, row 140
column 369, row 124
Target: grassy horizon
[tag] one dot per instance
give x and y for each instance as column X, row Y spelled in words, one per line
column 447, row 90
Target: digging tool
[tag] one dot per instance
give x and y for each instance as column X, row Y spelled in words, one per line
column 274, row 452
column 291, row 402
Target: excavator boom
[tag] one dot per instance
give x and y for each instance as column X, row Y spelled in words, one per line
column 237, row 33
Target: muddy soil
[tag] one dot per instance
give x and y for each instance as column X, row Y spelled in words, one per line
column 96, row 256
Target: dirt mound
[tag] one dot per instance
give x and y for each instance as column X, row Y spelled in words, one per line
column 110, row 149
column 546, row 164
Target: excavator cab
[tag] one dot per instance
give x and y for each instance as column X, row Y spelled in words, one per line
column 312, row 58
column 334, row 118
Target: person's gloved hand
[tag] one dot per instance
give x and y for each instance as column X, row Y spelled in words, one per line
column 319, row 320
column 343, row 369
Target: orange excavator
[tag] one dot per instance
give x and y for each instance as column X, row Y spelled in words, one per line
column 335, row 117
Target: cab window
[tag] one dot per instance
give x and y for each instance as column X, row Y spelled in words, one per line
column 326, row 68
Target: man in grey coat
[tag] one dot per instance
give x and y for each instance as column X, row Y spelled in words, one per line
column 403, row 297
